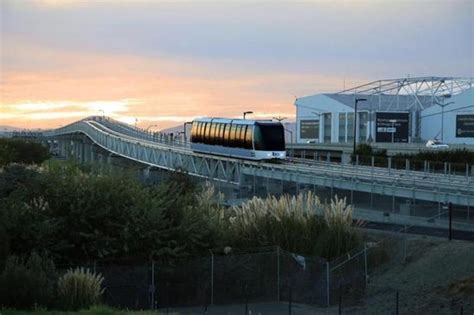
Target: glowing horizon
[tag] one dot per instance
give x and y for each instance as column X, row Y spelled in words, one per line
column 166, row 63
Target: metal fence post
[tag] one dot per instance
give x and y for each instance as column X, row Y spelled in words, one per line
column 365, row 262
column 340, row 299
column 278, row 273
column 396, row 303
column 289, row 302
column 212, row 277
column 327, row 284
column 152, row 286
column 450, row 209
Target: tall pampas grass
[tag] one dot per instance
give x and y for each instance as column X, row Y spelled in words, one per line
column 80, row 289
column 301, row 224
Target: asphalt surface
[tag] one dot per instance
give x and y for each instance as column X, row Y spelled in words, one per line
column 419, row 230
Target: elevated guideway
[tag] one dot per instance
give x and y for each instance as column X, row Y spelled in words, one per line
column 118, row 139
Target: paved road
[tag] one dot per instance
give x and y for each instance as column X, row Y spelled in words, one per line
column 275, row 308
column 418, row 230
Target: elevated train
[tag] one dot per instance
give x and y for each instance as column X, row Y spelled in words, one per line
column 247, row 139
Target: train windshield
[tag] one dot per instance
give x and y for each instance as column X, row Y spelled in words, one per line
column 269, row 137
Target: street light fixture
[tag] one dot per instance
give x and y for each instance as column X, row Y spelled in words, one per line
column 279, row 118
column 248, row 112
column 357, row 100
column 136, row 120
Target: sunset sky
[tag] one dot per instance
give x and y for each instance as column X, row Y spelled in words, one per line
column 166, row 62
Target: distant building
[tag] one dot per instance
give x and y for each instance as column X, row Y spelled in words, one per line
column 400, row 110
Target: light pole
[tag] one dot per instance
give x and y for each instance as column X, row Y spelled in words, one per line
column 442, row 114
column 319, row 126
column 357, row 100
column 148, row 128
column 393, row 121
column 136, row 120
column 248, row 112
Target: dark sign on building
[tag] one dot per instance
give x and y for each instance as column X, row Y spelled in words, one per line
column 392, row 126
column 309, row 129
column 465, row 126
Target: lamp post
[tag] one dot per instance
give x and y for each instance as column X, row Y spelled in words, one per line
column 136, row 120
column 248, row 112
column 393, row 121
column 357, row 100
column 442, row 114
column 148, row 128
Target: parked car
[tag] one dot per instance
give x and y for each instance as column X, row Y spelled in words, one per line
column 436, row 144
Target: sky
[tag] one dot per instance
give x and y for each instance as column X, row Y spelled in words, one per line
column 166, row 62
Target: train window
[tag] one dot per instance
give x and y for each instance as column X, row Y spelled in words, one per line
column 213, row 133
column 220, row 135
column 201, row 130
column 269, row 137
column 244, row 136
column 237, row 135
column 249, row 137
column 210, row 139
column 198, row 134
column 198, row 126
column 216, row 134
column 226, row 135
column 209, row 133
column 233, row 133
column 204, row 132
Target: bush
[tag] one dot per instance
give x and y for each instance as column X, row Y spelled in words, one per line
column 79, row 289
column 22, row 151
column 25, row 284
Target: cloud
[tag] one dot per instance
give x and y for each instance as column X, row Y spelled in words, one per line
column 160, row 61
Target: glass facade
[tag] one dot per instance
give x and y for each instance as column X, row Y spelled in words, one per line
column 327, row 127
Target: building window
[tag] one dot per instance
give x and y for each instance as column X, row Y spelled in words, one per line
column 327, row 127
column 342, row 127
column 363, row 124
column 350, row 127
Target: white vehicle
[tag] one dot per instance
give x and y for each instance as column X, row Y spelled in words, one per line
column 436, row 144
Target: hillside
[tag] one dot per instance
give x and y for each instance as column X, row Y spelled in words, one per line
column 436, row 278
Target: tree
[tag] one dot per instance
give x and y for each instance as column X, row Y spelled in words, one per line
column 22, row 151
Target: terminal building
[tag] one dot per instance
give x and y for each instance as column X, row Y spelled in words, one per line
column 409, row 110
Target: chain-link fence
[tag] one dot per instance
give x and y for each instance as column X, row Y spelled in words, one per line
column 376, row 278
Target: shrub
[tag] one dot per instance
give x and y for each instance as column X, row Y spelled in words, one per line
column 27, row 283
column 79, row 289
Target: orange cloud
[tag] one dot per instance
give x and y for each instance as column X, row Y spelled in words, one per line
column 67, row 86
